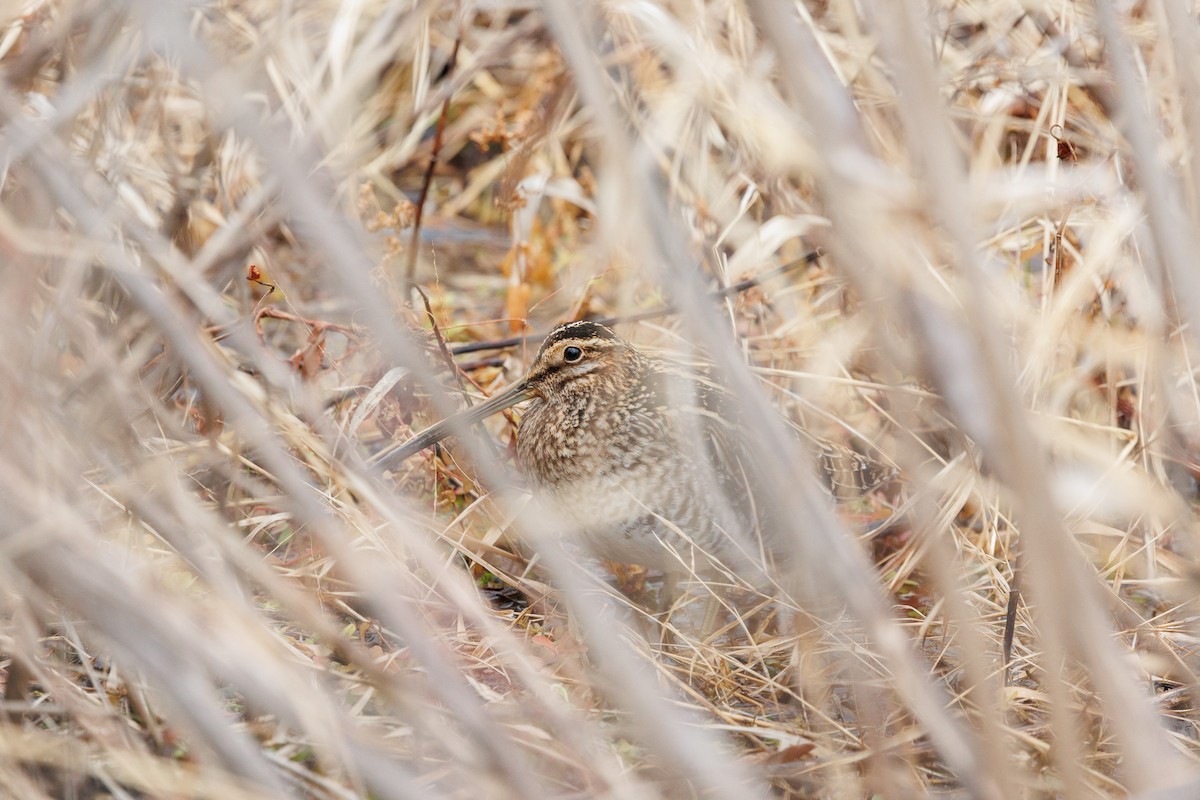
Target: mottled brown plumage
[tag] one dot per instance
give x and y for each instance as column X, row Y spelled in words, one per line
column 641, row 456
column 645, row 460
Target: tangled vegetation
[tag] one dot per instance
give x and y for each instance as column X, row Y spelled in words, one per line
column 252, row 245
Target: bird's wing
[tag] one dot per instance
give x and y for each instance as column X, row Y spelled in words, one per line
column 708, row 424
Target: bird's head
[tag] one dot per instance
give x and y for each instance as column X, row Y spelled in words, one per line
column 577, row 358
column 581, row 358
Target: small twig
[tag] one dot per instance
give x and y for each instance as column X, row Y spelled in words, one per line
column 1010, row 620
column 254, row 275
column 661, row 311
column 489, row 361
column 442, row 348
column 317, row 325
column 410, row 269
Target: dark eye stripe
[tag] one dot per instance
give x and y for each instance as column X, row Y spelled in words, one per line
column 545, row 365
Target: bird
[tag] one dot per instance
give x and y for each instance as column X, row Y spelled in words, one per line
column 645, row 460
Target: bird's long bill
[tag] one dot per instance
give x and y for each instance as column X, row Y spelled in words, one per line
column 455, row 424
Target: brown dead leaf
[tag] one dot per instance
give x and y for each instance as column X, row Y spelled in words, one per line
column 516, row 306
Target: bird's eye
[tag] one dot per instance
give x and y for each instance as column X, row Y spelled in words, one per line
column 572, row 354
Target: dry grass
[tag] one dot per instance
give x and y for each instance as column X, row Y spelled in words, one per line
column 211, row 321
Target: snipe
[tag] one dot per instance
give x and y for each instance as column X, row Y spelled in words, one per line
column 645, row 459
